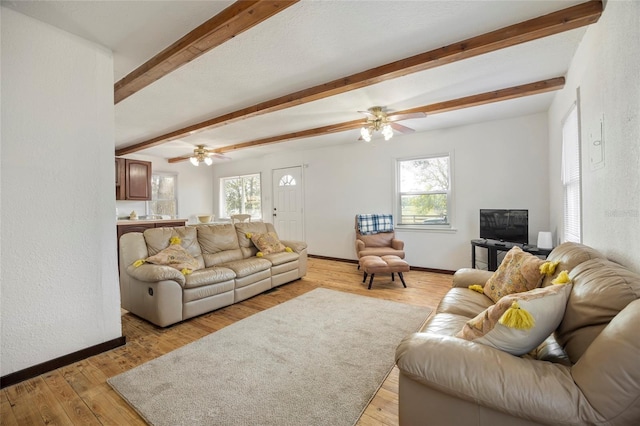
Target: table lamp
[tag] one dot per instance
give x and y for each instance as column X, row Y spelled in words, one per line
column 545, row 240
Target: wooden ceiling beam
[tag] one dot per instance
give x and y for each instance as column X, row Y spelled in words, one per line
column 466, row 102
column 543, row 26
column 235, row 19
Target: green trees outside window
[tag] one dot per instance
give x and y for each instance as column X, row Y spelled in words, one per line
column 424, row 191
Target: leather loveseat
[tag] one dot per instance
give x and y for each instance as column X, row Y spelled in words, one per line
column 587, row 372
column 228, row 270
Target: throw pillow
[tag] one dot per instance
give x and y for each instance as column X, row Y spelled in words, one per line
column 543, row 308
column 518, row 272
column 267, row 243
column 175, row 256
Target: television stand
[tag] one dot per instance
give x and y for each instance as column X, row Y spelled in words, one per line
column 493, row 247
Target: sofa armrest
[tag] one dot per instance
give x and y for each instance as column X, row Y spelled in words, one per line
column 540, row 391
column 360, row 245
column 468, row 276
column 150, row 273
column 397, row 244
column 296, row 246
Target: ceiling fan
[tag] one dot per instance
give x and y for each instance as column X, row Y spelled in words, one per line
column 378, row 120
column 203, row 155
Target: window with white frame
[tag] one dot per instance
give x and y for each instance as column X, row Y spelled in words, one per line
column 423, row 194
column 571, row 177
column 164, row 195
column 241, row 195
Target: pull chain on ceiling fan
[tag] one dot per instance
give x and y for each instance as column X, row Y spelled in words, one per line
column 379, row 121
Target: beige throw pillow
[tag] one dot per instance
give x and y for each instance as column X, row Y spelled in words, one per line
column 545, row 305
column 175, row 256
column 267, row 243
column 518, row 272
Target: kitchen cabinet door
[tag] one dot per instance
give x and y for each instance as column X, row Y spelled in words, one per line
column 138, row 180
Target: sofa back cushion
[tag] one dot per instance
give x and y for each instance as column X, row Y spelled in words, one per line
column 608, row 373
column 244, row 231
column 219, row 243
column 158, row 239
column 601, row 289
column 569, row 255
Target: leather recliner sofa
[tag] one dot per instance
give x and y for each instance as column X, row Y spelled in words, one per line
column 587, row 372
column 229, row 270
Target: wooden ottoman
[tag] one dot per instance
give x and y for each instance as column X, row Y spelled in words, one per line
column 385, row 265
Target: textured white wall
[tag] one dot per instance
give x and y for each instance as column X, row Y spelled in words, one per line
column 499, row 164
column 60, row 290
column 606, row 70
column 195, row 188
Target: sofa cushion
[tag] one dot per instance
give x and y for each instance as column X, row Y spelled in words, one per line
column 444, row 324
column 244, row 231
column 545, row 305
column 249, row 266
column 569, row 255
column 267, row 243
column 464, row 302
column 518, row 272
column 282, row 257
column 216, row 238
column 382, row 239
column 601, row 289
column 208, row 276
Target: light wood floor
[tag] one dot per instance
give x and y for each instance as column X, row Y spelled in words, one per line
column 79, row 395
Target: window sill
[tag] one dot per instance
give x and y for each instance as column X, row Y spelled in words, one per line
column 422, row 228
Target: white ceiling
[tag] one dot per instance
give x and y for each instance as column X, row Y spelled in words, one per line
column 309, row 43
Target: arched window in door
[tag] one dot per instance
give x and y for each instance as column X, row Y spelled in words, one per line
column 287, row 180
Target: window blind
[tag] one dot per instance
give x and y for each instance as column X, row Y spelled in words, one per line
column 571, row 177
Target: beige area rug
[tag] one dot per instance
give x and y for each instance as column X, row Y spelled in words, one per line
column 317, row 359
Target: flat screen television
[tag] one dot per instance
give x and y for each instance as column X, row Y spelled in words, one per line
column 505, row 225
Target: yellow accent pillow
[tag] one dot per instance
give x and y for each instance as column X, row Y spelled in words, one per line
column 268, row 243
column 175, row 256
column 519, row 271
column 544, row 308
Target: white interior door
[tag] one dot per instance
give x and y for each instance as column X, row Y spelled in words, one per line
column 287, row 203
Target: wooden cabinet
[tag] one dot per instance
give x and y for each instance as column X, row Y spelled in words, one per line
column 133, row 180
column 120, row 186
column 142, row 226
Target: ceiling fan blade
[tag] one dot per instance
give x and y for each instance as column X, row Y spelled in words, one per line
column 398, row 117
column 368, row 114
column 401, row 128
column 220, row 156
column 214, row 154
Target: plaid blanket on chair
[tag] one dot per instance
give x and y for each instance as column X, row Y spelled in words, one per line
column 374, row 223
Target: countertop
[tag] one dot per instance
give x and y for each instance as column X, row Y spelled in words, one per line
column 143, row 221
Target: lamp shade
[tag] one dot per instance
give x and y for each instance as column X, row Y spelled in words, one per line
column 545, row 241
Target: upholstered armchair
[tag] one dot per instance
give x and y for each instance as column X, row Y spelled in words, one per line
column 378, row 244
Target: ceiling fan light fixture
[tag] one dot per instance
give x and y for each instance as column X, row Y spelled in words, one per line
column 208, row 161
column 387, row 132
column 366, row 134
column 194, row 161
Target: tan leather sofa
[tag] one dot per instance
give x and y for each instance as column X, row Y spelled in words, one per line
column 586, row 373
column 229, row 270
